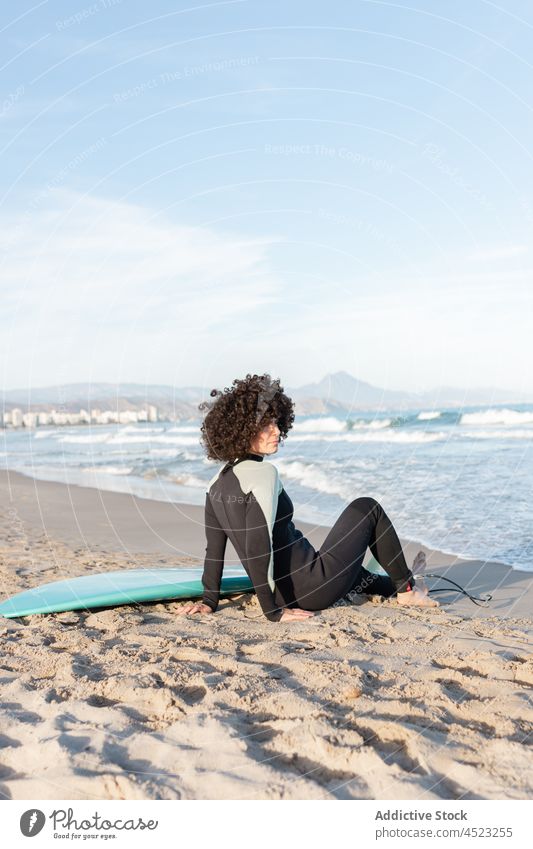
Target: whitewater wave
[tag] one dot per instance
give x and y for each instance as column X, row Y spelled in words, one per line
column 42, row 434
column 497, row 417
column 313, row 477
column 164, row 474
column 187, row 480
column 165, row 452
column 326, row 424
column 167, row 440
column 87, row 438
column 394, row 436
column 136, row 429
column 109, row 470
column 376, row 424
column 330, row 424
column 188, row 455
column 429, row 416
column 524, row 433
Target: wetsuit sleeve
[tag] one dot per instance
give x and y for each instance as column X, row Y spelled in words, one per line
column 261, row 508
column 214, row 556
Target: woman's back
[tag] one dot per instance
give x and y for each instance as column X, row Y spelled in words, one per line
column 247, row 502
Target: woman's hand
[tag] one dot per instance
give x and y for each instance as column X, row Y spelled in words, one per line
column 194, row 607
column 295, row 615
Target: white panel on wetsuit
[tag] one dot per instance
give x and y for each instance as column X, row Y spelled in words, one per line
column 262, row 479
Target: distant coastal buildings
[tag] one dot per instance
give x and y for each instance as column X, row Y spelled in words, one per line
column 337, row 394
column 16, row 418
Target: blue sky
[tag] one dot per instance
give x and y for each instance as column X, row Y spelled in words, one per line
column 194, row 191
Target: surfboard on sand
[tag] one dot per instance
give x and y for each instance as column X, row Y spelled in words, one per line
column 123, row 587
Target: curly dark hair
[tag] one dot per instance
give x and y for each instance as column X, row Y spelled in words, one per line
column 240, row 413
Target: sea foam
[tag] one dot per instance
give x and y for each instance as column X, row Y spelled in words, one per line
column 429, row 416
column 497, row 417
column 327, row 424
column 109, row 470
column 87, row 438
column 393, row 436
column 312, row 476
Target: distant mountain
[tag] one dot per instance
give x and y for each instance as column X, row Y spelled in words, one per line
column 334, row 394
column 342, row 388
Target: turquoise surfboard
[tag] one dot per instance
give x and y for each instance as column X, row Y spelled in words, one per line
column 123, row 587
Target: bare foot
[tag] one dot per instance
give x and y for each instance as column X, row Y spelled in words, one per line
column 417, row 597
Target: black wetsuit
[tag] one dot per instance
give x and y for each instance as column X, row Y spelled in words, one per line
column 246, row 502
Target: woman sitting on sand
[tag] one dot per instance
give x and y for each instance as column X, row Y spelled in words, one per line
column 247, row 502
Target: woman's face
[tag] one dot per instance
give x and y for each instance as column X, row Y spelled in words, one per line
column 267, row 440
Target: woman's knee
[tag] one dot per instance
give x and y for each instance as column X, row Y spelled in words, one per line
column 364, row 504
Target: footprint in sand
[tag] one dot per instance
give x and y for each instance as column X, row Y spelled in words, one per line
column 454, row 691
column 192, row 695
column 84, row 666
column 18, row 711
column 8, row 742
column 100, row 701
column 253, row 648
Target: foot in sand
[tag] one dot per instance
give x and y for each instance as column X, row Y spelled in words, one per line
column 416, row 597
column 419, row 595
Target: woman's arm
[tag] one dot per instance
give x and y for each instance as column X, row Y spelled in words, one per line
column 214, row 556
column 261, row 508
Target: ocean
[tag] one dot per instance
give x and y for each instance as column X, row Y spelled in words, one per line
column 457, row 480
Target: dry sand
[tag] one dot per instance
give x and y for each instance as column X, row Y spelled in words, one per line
column 364, row 702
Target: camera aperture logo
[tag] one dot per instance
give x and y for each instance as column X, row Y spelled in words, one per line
column 32, row 822
column 65, row 824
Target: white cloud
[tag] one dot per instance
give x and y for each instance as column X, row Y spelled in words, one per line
column 100, row 290
column 84, row 277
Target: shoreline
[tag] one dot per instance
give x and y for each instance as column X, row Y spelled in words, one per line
column 306, row 526
column 103, row 521
column 367, row 701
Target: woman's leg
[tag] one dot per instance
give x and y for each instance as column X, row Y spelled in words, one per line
column 368, row 583
column 362, row 524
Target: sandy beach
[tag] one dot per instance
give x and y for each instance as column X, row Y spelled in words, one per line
column 370, row 701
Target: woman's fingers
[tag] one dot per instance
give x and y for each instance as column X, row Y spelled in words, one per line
column 194, row 607
column 292, row 614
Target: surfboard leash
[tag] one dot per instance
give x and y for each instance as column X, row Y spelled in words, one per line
column 480, row 602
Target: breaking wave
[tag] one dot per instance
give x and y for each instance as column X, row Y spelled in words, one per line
column 497, row 417
column 429, row 416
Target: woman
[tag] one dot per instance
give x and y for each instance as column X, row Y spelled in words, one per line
column 247, row 503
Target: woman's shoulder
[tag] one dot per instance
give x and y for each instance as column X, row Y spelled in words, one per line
column 248, row 470
column 213, row 479
column 252, row 474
